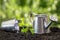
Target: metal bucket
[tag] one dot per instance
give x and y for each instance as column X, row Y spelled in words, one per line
column 10, row 25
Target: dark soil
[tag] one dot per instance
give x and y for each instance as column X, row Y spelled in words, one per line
column 54, row 35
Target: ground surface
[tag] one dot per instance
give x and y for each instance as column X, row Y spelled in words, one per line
column 28, row 36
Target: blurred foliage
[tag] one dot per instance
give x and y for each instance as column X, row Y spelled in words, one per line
column 25, row 10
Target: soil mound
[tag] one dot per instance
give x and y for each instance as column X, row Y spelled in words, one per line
column 28, row 36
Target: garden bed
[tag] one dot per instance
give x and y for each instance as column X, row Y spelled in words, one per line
column 28, row 36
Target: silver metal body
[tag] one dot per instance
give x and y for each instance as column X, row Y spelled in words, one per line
column 40, row 24
column 10, row 25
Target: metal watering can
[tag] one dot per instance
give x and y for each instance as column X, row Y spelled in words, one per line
column 10, row 25
column 41, row 24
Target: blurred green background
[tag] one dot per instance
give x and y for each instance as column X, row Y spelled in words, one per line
column 25, row 10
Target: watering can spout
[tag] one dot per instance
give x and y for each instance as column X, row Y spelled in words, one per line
column 52, row 18
column 47, row 25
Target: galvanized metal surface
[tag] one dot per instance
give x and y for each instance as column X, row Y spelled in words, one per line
column 40, row 24
column 10, row 25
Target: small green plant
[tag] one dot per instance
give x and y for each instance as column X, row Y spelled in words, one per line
column 25, row 30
